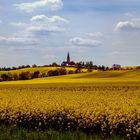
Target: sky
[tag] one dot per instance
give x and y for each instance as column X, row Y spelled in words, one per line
column 41, row 32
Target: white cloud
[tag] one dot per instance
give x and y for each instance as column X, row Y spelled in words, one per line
column 17, row 41
column 131, row 25
column 39, row 18
column 43, row 25
column 90, row 40
column 42, row 30
column 78, row 41
column 128, row 14
column 49, row 4
column 0, row 21
column 94, row 35
column 18, row 24
column 53, row 19
column 115, row 53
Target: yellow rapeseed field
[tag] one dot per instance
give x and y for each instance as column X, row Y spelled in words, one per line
column 105, row 108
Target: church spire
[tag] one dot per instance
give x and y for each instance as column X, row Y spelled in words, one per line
column 68, row 58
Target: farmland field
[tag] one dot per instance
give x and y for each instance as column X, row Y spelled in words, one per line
column 104, row 103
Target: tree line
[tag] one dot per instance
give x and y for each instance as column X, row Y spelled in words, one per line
column 11, row 76
column 17, row 68
column 27, row 75
column 81, row 64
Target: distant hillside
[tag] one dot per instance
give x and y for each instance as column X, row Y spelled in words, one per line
column 38, row 72
column 40, row 69
column 112, row 74
column 93, row 77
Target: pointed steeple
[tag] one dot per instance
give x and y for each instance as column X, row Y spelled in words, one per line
column 68, row 58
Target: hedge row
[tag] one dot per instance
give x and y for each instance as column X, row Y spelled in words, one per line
column 31, row 75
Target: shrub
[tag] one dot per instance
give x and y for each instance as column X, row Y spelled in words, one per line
column 24, row 76
column 70, row 72
column 53, row 73
column 43, row 75
column 36, row 74
column 15, row 77
column 4, row 77
column 62, row 71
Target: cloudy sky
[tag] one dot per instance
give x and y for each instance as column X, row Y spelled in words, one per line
column 43, row 31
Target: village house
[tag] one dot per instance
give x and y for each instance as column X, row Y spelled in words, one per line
column 116, row 66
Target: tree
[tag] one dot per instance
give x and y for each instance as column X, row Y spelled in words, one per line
column 78, row 67
column 138, row 67
column 35, row 75
column 4, row 77
column 53, row 73
column 90, row 66
column 54, row 64
column 95, row 67
column 34, row 65
column 62, row 71
column 43, row 74
column 103, row 68
column 83, row 64
column 24, row 76
column 15, row 77
column 107, row 68
column 27, row 66
column 14, row 68
column 99, row 67
column 70, row 72
column 10, row 76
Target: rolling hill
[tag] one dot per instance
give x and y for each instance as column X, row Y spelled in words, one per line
column 93, row 77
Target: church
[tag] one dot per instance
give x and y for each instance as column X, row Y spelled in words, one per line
column 68, row 62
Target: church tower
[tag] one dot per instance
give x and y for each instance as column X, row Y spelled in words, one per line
column 68, row 58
